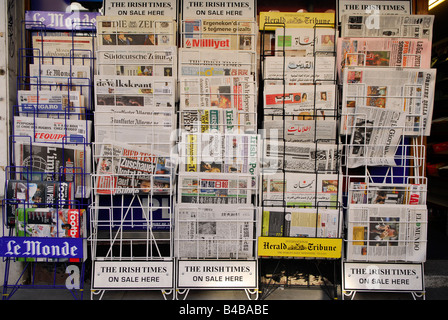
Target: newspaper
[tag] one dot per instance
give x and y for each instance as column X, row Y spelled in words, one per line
column 393, row 26
column 51, row 104
column 387, row 233
column 408, row 90
column 211, row 62
column 66, row 50
column 128, row 169
column 300, row 100
column 210, row 188
column 135, row 31
column 376, row 137
column 215, row 231
column 55, row 162
column 383, row 52
column 386, row 193
column 221, row 34
column 301, row 223
column 302, row 42
column 299, row 69
column 153, row 61
column 134, row 91
column 53, row 130
column 300, row 157
column 217, row 153
column 304, row 190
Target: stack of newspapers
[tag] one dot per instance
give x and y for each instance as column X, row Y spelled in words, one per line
column 218, row 142
column 301, row 184
column 135, row 95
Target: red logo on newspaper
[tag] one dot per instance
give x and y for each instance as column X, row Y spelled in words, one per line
column 208, row 43
column 73, row 220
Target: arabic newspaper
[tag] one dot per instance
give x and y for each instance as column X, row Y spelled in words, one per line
column 305, row 42
column 215, row 231
column 387, row 233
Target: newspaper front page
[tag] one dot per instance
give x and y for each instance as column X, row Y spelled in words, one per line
column 305, row 42
column 387, row 233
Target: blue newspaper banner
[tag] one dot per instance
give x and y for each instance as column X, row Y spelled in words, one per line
column 54, row 20
column 40, row 247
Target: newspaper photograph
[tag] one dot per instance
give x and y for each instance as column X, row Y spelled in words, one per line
column 304, row 190
column 134, row 91
column 377, row 134
column 383, row 52
column 152, row 62
column 387, row 233
column 135, row 31
column 65, row 50
column 218, row 153
column 299, row 69
column 300, row 100
column 305, row 42
column 211, row 62
column 210, row 188
column 408, row 90
column 215, row 231
column 128, row 169
column 221, row 34
column 393, row 26
column 55, row 162
column 53, row 130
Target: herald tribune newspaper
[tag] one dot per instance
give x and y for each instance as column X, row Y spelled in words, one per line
column 215, row 231
column 302, row 42
column 387, row 233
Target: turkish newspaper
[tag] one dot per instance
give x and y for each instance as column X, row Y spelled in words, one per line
column 302, row 42
column 211, row 188
column 408, row 90
column 128, row 169
column 135, row 31
column 215, row 231
column 393, row 26
column 301, row 222
column 220, row 34
column 387, row 233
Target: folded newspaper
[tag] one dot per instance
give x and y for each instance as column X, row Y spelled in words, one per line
column 387, row 233
column 302, row 42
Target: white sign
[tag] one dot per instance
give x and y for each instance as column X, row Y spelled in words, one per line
column 219, row 9
column 166, row 8
column 396, row 277
column 217, row 274
column 132, row 275
column 382, row 7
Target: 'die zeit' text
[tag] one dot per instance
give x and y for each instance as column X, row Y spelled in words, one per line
column 219, row 8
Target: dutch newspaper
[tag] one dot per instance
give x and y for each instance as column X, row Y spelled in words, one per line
column 215, row 231
column 220, row 153
column 53, row 130
column 64, row 50
column 211, row 62
column 305, row 190
column 55, row 162
column 301, row 222
column 380, row 52
column 152, row 61
column 393, row 26
column 376, row 137
column 210, row 188
column 299, row 69
column 128, row 169
column 302, row 42
column 387, row 233
column 224, row 34
column 135, row 31
column 134, row 91
column 408, row 90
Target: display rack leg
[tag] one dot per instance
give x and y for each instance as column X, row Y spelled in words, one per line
column 182, row 294
column 252, row 294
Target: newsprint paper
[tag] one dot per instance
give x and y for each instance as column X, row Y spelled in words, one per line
column 214, row 231
column 387, row 233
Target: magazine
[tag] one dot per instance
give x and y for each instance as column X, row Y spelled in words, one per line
column 408, row 90
column 387, row 233
column 305, row 42
column 215, row 231
column 221, row 34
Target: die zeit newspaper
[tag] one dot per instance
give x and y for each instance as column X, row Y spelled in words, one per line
column 128, row 169
column 387, row 232
column 215, row 231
